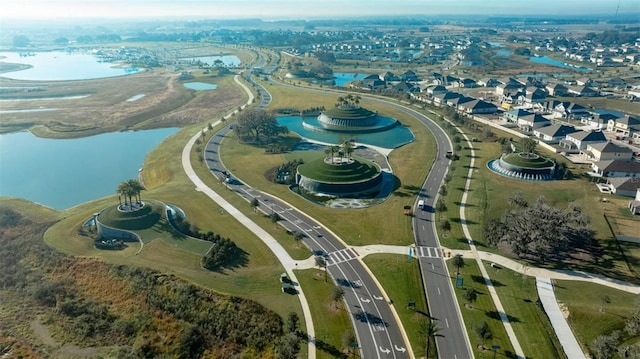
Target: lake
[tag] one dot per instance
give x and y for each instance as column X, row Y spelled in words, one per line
column 227, row 60
column 549, row 61
column 64, row 173
column 200, row 86
column 61, row 66
column 391, row 138
column 342, row 78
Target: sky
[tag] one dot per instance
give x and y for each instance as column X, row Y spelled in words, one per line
column 300, row 9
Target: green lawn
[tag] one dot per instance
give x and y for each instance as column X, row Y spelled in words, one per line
column 518, row 295
column 401, row 280
column 586, row 306
column 330, row 322
column 482, row 310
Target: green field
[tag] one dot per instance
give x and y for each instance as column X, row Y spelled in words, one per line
column 358, row 170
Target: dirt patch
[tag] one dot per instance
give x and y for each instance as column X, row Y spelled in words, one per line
column 564, row 310
column 42, row 333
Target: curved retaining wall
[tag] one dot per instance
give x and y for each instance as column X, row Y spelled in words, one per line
column 110, row 232
column 341, row 189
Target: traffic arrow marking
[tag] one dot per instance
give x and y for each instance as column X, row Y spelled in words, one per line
column 384, row 350
column 365, row 300
column 378, row 298
column 401, row 349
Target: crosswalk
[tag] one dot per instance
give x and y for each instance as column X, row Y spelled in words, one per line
column 342, row 255
column 428, row 252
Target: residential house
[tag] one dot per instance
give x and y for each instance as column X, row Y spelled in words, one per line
column 455, row 102
column 580, row 139
column 373, row 83
column 508, row 88
column 442, row 98
column 409, row 76
column 534, row 95
column 624, row 126
column 604, row 151
column 553, row 133
column 624, row 186
column 436, row 89
column 404, row 87
column 513, row 115
column 582, row 91
column 477, row 106
column 569, row 110
column 598, row 120
column 388, row 76
column 616, row 168
column 466, row 83
column 532, row 121
column 557, row 90
column 488, row 82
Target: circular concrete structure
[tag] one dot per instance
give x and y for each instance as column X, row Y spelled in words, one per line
column 350, row 118
column 339, row 177
column 525, row 166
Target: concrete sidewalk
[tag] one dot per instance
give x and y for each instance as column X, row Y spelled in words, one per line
column 281, row 254
column 560, row 326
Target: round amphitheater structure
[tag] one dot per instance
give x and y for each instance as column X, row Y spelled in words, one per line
column 339, row 177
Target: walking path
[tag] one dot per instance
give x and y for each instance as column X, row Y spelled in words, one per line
column 560, row 326
column 285, row 259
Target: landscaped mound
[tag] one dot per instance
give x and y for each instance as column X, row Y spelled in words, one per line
column 356, row 171
column 145, row 217
column 339, row 177
column 527, row 160
column 349, row 113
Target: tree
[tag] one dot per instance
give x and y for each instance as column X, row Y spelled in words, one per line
column 484, row 332
column 337, row 293
column 441, row 206
column 604, row 346
column 458, row 261
column 470, row 296
column 259, row 124
column 528, row 145
column 348, row 148
column 322, row 263
column 255, row 203
column 445, row 225
column 443, row 190
column 429, row 329
column 539, row 231
column 292, row 322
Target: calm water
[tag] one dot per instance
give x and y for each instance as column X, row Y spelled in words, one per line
column 64, row 173
column 227, row 60
column 61, row 66
column 200, row 86
column 342, row 78
column 549, row 61
column 395, row 137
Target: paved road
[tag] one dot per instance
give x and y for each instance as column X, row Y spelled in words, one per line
column 377, row 327
column 452, row 341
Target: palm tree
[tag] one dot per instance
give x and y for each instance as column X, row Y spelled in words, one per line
column 348, row 148
column 136, row 187
column 429, row 329
column 458, row 261
column 123, row 191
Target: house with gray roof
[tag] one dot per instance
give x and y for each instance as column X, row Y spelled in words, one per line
column 624, row 126
column 579, row 140
column 442, row 98
column 616, row 168
column 603, row 151
column 557, row 90
column 582, row 91
column 553, row 133
column 532, row 121
column 624, row 186
column 477, row 106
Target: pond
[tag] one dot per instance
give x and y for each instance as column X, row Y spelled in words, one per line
column 200, row 86
column 549, row 61
column 342, row 78
column 227, row 60
column 61, row 66
column 389, row 139
column 64, row 173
